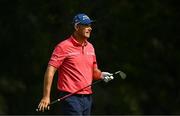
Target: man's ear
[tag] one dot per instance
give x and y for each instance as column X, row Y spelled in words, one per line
column 76, row 27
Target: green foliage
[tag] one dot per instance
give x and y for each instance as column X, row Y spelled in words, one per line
column 138, row 37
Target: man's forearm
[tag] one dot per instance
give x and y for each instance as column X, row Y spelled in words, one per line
column 96, row 74
column 47, row 86
column 48, row 79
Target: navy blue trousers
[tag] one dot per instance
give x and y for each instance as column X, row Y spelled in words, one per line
column 74, row 105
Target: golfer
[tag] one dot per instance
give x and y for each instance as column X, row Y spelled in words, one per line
column 75, row 61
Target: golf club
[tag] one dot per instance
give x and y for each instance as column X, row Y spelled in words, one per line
column 120, row 73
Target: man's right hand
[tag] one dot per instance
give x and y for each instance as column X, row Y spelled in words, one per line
column 43, row 105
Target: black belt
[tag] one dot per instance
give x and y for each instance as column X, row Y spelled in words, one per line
column 82, row 95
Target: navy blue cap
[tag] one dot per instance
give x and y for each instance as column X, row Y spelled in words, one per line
column 82, row 19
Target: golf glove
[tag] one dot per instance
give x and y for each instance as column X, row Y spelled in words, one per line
column 106, row 76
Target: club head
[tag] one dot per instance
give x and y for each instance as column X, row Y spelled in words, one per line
column 121, row 74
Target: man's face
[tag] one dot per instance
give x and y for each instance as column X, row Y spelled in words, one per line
column 84, row 30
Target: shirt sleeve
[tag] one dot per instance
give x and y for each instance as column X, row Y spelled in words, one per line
column 57, row 57
column 96, row 71
column 94, row 62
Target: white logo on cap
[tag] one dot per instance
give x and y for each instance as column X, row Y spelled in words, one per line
column 85, row 17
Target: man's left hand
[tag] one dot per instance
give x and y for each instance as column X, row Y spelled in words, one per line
column 106, row 76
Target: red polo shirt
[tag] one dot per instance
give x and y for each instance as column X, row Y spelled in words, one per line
column 75, row 63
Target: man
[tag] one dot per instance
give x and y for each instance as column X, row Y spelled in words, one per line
column 75, row 61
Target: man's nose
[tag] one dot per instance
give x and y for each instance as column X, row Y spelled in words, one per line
column 89, row 28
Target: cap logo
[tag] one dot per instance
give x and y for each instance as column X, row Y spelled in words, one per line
column 85, row 17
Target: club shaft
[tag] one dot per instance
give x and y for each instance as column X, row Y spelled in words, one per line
column 70, row 94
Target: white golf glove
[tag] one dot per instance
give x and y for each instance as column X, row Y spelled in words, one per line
column 106, row 76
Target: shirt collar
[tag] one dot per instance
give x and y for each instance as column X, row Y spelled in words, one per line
column 76, row 43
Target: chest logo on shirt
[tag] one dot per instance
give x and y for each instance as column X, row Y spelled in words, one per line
column 78, row 53
column 90, row 53
column 73, row 53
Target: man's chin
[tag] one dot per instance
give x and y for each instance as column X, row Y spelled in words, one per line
column 87, row 36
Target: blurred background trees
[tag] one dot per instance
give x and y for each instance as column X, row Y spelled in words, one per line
column 141, row 38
